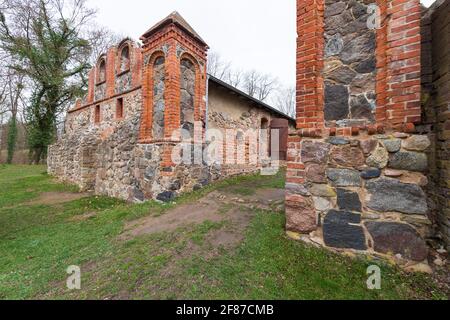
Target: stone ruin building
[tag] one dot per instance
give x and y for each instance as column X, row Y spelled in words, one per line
column 119, row 140
column 368, row 167
column 368, row 163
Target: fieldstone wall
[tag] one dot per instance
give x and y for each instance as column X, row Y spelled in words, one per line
column 123, row 82
column 364, row 193
column 187, row 96
column 100, row 92
column 350, row 64
column 158, row 100
column 79, row 155
column 436, row 109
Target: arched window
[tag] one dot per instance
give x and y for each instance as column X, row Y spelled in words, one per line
column 101, row 77
column 264, row 123
column 125, row 59
column 158, row 98
column 187, row 85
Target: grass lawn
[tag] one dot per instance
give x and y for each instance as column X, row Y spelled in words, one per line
column 39, row 240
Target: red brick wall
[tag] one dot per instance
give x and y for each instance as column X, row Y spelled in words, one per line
column 310, row 45
column 403, row 62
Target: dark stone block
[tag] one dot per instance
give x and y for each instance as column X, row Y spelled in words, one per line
column 361, row 108
column 341, row 75
column 359, row 48
column 366, row 66
column 175, row 186
column 358, row 9
column 336, row 102
column 392, row 195
column 166, row 196
column 334, row 9
column 339, row 231
column 138, row 194
column 371, row 174
column 348, row 200
column 344, row 177
column 398, row 238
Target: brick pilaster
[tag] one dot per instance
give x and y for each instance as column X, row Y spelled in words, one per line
column 111, row 72
column 403, row 63
column 310, row 46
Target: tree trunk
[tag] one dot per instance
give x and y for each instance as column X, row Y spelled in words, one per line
column 12, row 138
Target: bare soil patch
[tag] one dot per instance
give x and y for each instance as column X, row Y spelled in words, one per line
column 215, row 207
column 195, row 213
column 51, row 198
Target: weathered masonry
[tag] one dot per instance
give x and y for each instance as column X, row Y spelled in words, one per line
column 368, row 164
column 120, row 139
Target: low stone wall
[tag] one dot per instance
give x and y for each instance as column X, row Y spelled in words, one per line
column 364, row 193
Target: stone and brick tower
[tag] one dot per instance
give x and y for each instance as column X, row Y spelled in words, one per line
column 356, row 176
column 174, row 84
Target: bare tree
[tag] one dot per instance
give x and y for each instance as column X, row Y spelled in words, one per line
column 45, row 39
column 259, row 85
column 235, row 78
column 101, row 39
column 217, row 67
column 285, row 100
column 267, row 85
column 251, row 79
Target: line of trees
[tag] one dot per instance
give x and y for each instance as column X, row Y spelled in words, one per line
column 259, row 85
column 47, row 48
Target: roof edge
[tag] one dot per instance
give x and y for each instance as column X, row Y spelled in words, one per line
column 249, row 97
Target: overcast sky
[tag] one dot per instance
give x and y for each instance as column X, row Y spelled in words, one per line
column 252, row 34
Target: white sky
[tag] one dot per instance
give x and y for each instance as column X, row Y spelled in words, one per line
column 252, row 34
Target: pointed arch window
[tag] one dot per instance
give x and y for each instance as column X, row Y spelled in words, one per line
column 101, row 75
column 124, row 59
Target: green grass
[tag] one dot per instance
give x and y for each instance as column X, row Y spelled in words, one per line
column 39, row 242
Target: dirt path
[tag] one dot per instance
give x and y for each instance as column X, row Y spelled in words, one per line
column 217, row 206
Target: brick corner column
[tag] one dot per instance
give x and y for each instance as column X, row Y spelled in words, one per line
column 301, row 217
column 403, row 64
